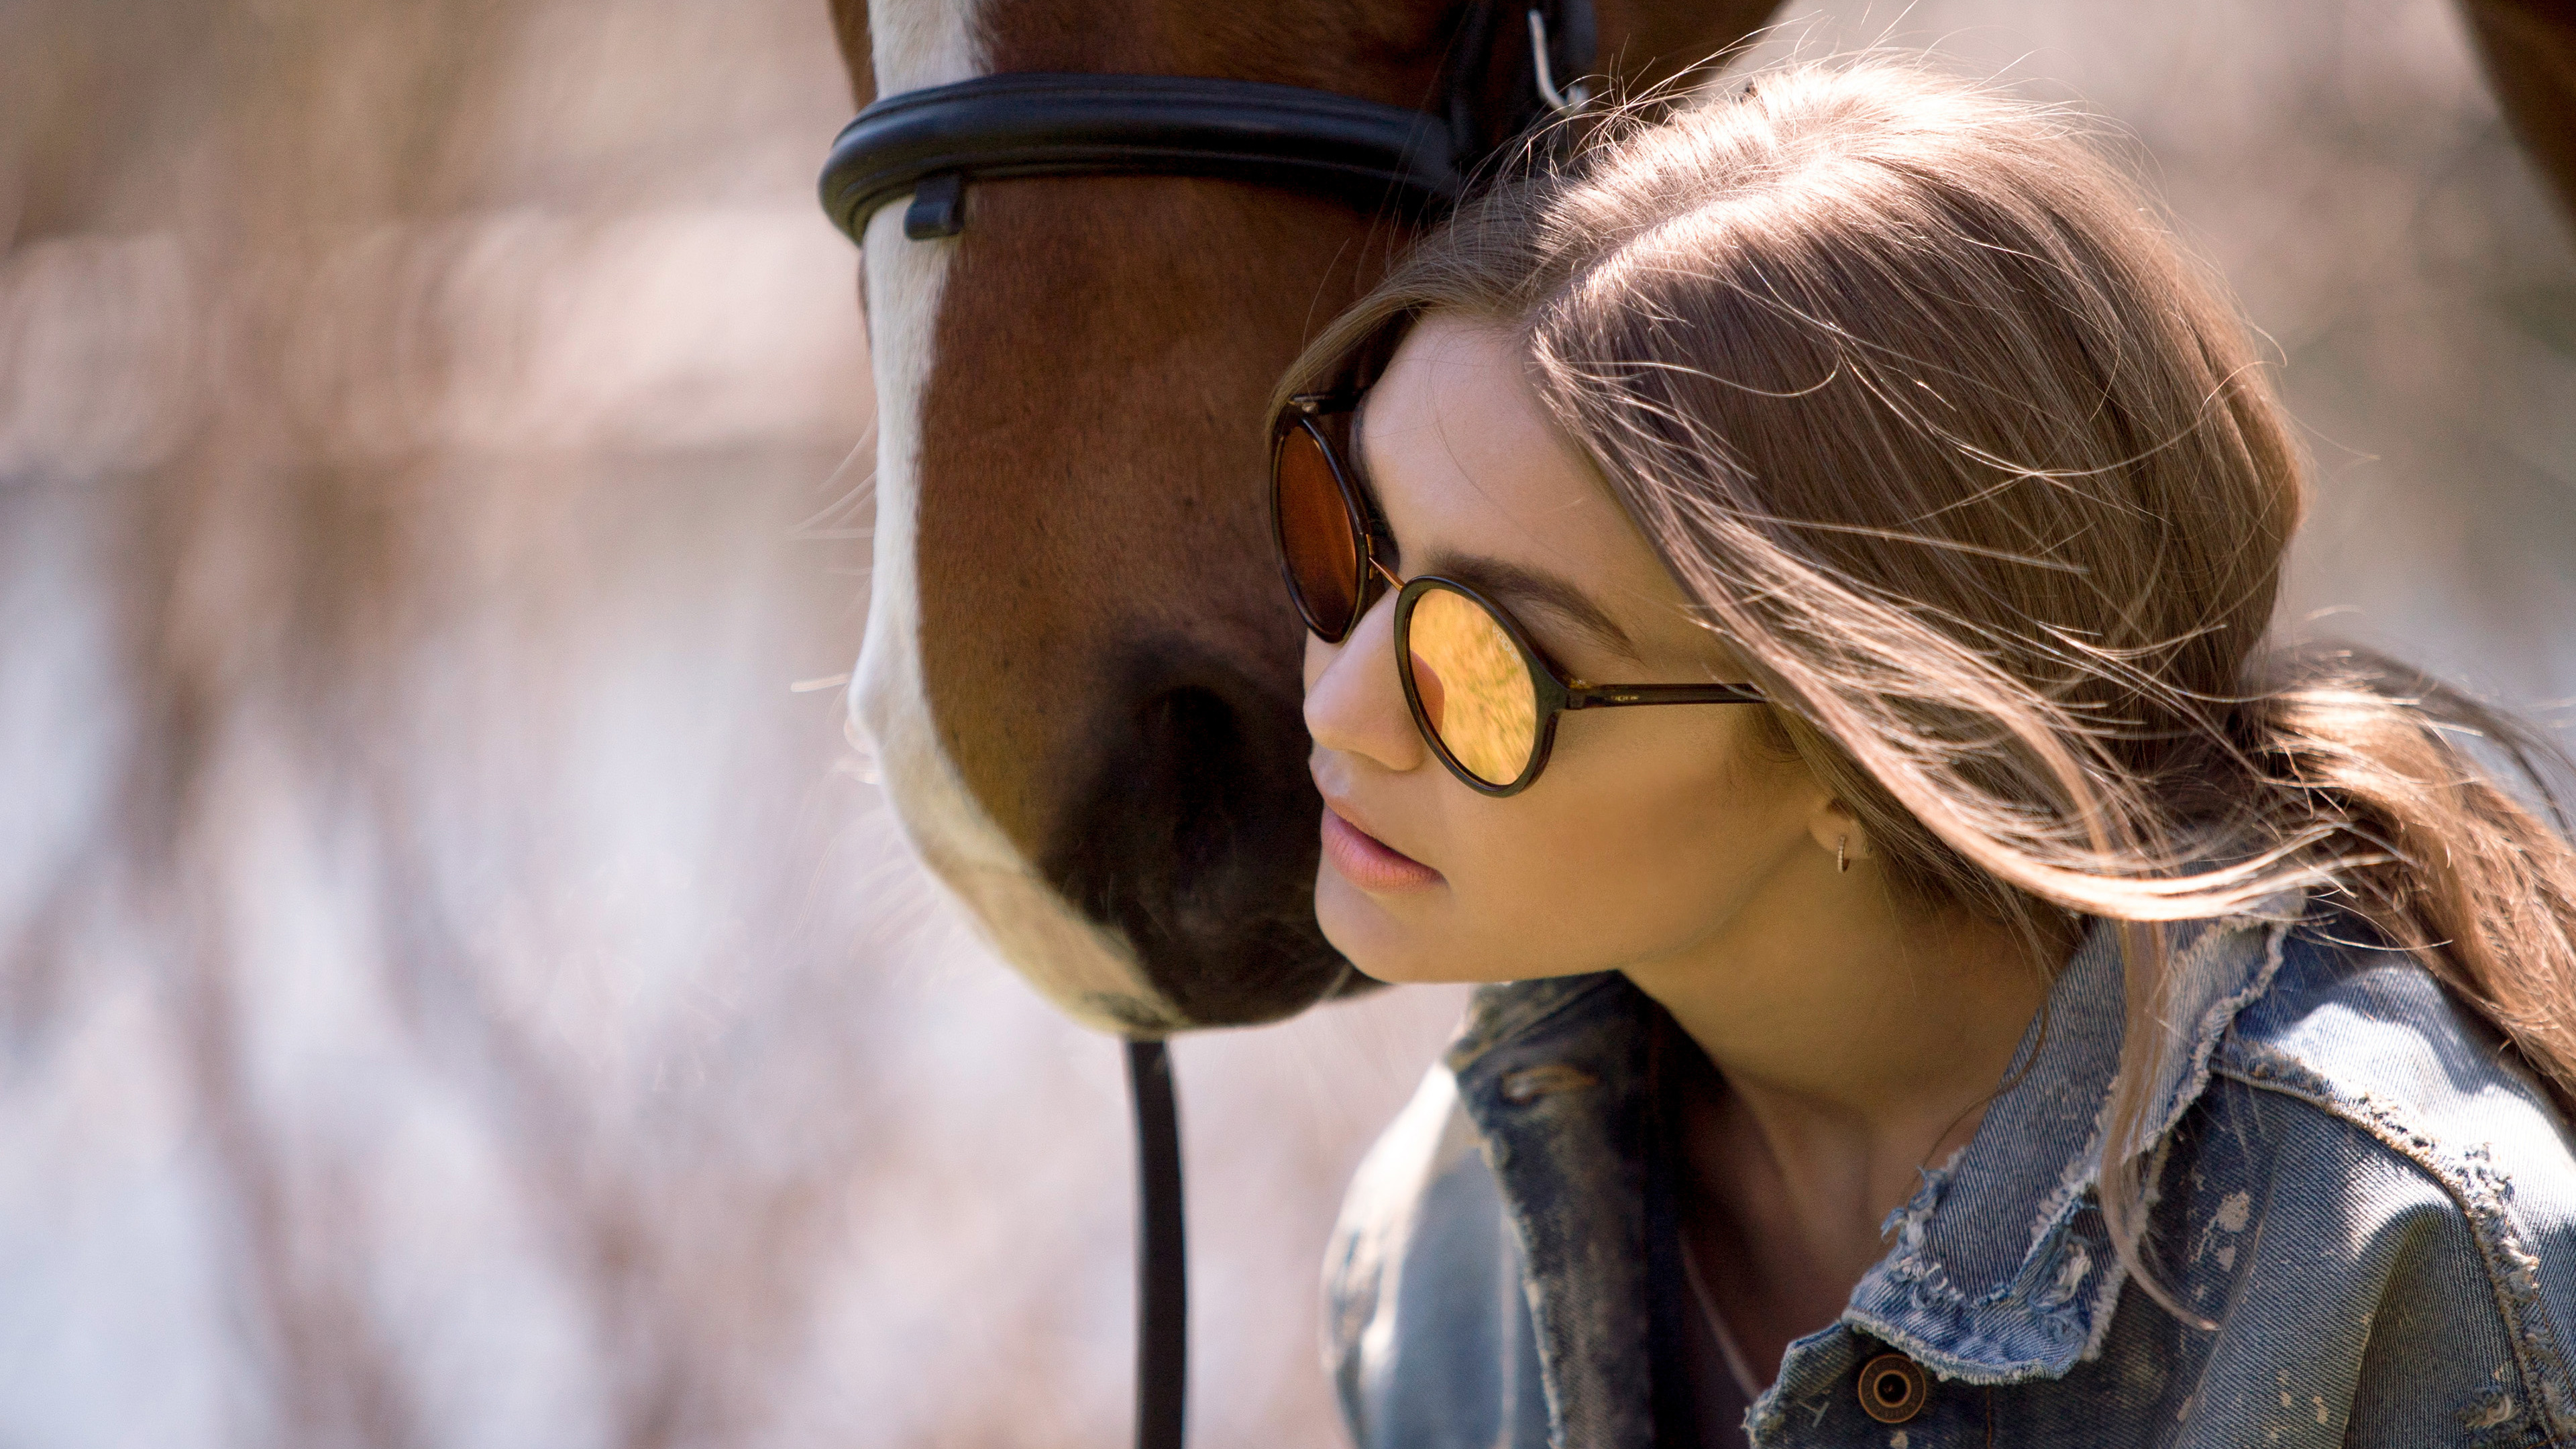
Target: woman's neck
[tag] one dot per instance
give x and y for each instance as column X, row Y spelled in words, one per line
column 1850, row 1042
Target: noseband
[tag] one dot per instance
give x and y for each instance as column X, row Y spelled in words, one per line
column 1380, row 159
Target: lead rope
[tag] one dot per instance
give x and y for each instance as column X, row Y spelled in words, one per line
column 1162, row 1270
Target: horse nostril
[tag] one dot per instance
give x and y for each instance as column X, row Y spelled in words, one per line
column 1199, row 781
column 1180, row 825
column 1195, row 834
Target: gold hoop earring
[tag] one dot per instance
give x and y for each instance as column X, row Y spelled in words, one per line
column 1842, row 862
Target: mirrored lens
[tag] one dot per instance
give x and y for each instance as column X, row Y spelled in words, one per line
column 1475, row 688
column 1316, row 534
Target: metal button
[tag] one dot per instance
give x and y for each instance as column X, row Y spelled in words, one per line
column 1893, row 1388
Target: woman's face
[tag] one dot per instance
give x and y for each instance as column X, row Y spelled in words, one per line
column 1653, row 832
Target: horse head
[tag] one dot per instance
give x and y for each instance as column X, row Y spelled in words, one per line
column 1081, row 675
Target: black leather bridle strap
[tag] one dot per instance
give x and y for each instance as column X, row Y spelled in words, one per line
column 1376, row 157
column 1380, row 159
column 1162, row 1270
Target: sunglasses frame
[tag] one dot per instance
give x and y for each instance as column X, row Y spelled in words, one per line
column 1556, row 693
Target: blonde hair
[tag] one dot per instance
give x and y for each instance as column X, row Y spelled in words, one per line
column 1981, row 476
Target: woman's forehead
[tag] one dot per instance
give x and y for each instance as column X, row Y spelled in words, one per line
column 1454, row 438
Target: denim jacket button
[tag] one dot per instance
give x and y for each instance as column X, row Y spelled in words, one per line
column 1893, row 1388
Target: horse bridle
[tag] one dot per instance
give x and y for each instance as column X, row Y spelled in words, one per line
column 1415, row 164
column 1381, row 159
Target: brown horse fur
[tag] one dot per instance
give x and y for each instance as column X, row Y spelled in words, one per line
column 1091, row 728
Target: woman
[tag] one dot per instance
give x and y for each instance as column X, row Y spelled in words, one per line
column 1987, row 999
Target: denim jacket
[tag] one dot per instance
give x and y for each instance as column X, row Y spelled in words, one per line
column 2374, row 1204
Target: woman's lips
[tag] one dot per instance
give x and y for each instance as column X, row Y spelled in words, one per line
column 1370, row 863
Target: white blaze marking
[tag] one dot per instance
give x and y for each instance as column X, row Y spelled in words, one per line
column 1073, row 960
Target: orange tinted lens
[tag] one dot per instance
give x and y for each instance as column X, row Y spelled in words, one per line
column 1475, row 688
column 1315, row 532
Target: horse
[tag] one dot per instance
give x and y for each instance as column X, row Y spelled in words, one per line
column 1080, row 676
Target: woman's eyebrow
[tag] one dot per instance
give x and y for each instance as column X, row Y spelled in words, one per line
column 1514, row 583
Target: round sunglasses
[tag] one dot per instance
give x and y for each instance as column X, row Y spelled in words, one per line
column 1483, row 696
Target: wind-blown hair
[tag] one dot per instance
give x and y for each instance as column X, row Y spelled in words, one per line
column 1981, row 476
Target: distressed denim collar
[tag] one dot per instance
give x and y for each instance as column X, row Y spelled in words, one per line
column 2001, row 1268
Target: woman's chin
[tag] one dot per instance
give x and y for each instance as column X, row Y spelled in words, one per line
column 1369, row 936
column 1384, row 943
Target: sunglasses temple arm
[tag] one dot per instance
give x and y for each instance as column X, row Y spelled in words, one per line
column 1601, row 696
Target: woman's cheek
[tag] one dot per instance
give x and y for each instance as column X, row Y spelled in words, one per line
column 1645, row 850
column 1622, row 852
column 1536, row 890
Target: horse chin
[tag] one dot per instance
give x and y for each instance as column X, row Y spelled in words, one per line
column 1086, row 969
column 1194, row 838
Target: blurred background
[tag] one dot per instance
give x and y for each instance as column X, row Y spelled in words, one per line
column 456, row 990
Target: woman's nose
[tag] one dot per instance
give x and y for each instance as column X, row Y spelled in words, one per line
column 1354, row 703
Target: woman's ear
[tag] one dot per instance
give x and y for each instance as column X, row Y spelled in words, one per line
column 1838, row 833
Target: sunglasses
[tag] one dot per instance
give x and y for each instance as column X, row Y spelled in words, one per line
column 1484, row 697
